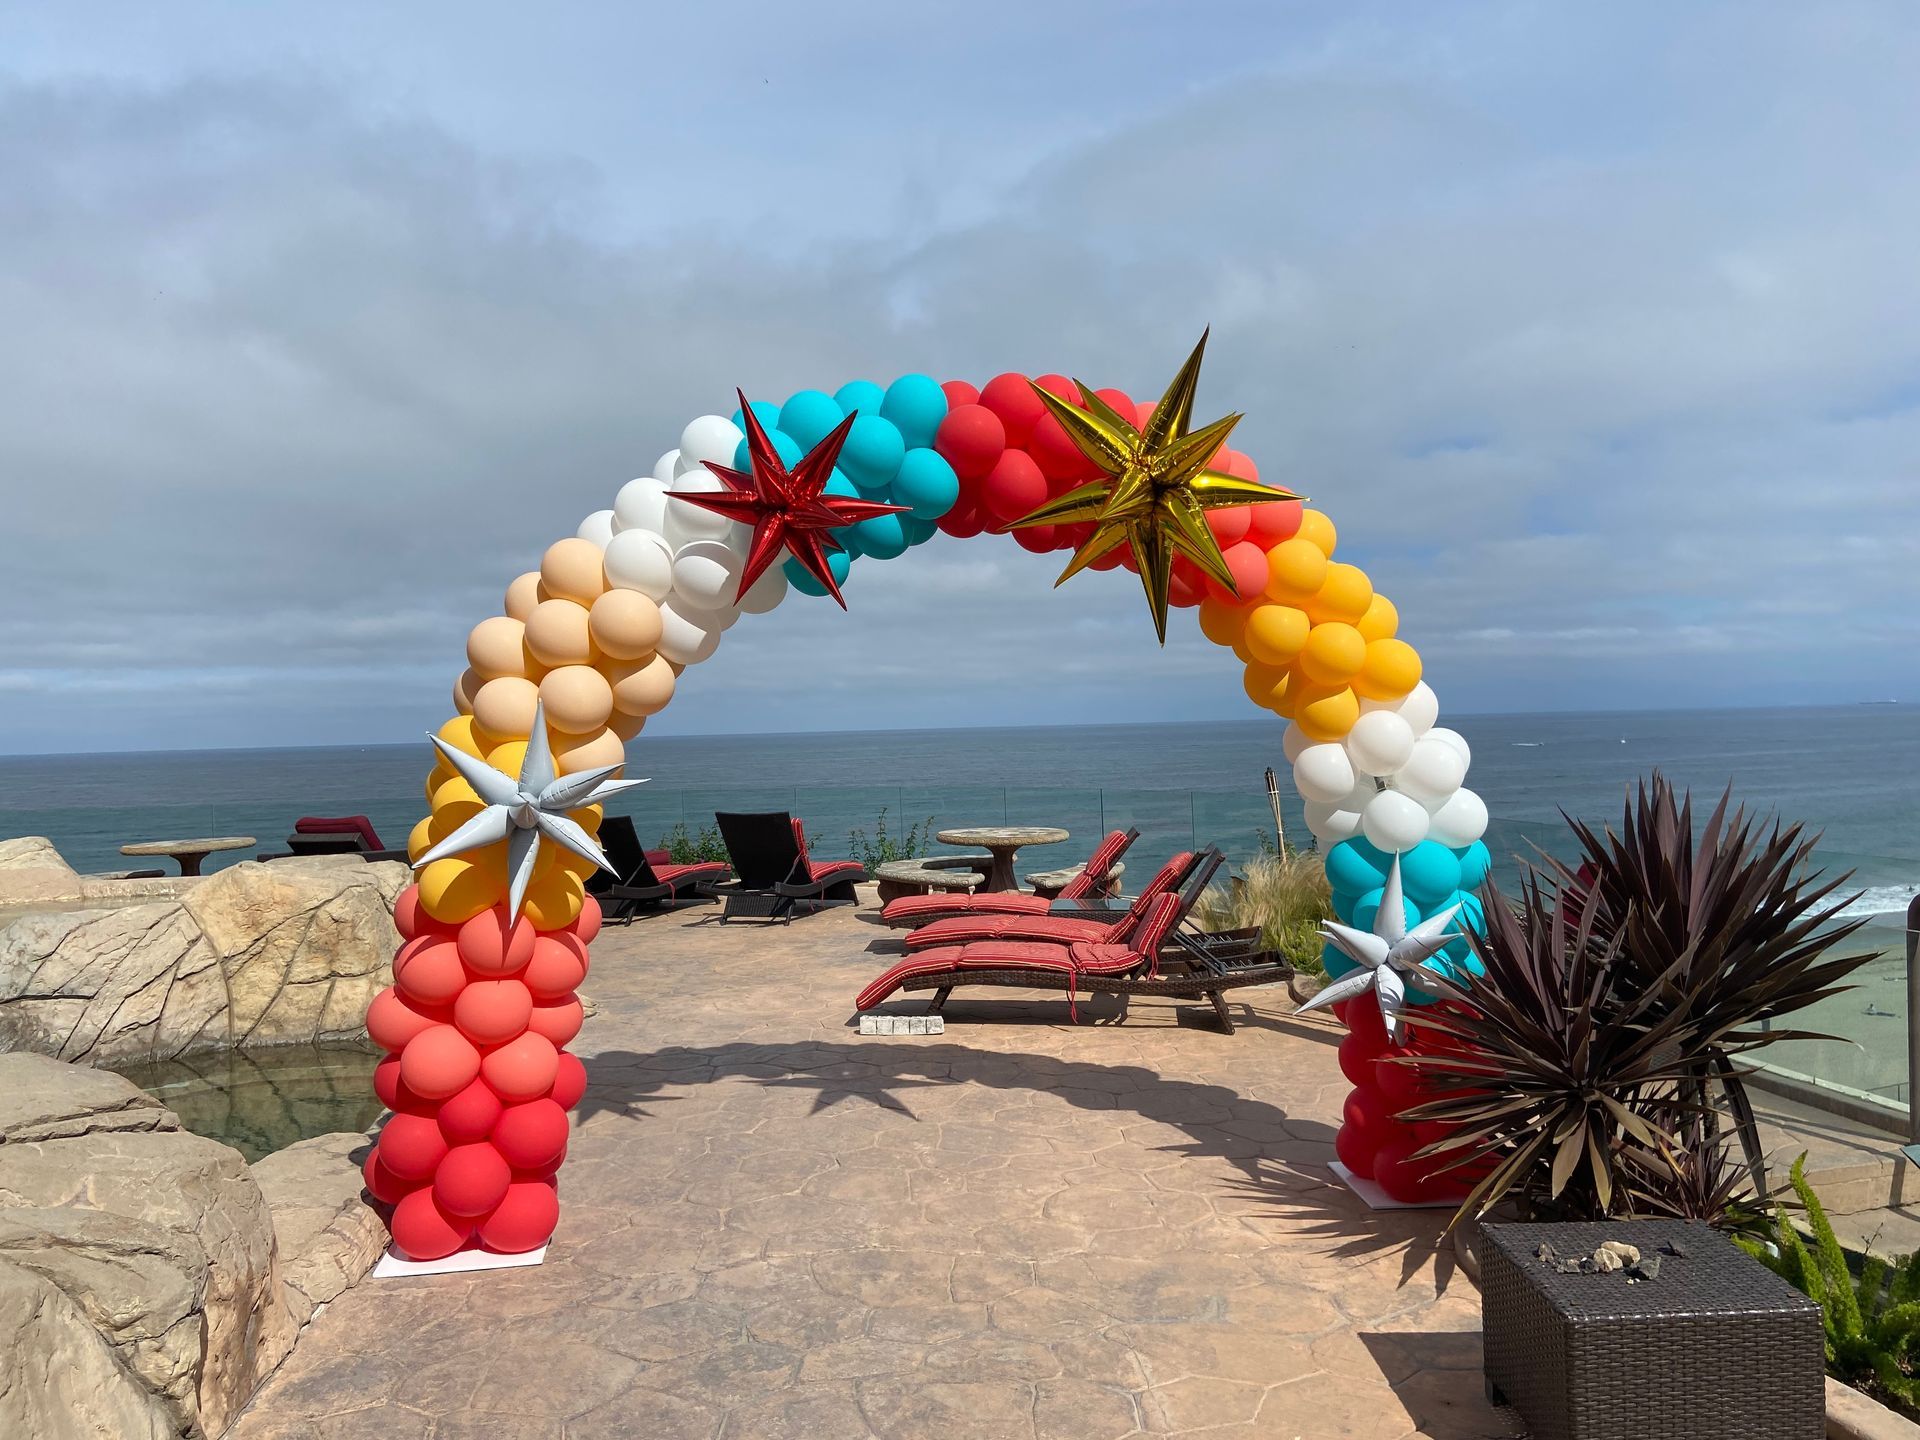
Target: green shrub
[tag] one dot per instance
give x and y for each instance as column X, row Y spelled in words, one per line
column 1871, row 1320
column 885, row 846
column 1285, row 895
column 686, row 848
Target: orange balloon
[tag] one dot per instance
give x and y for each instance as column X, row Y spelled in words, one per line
column 1391, row 669
column 492, row 1012
column 454, row 793
column 1318, row 529
column 571, row 570
column 1296, row 569
column 1325, row 715
column 1382, row 620
column 1344, row 595
column 458, row 732
column 1264, row 683
column 557, row 633
column 523, row 594
column 521, row 1069
column 494, row 647
column 1333, row 654
column 508, row 757
column 1275, row 633
column 439, row 1062
column 1221, row 621
column 558, row 1020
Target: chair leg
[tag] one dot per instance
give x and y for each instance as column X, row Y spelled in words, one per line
column 939, row 999
column 1220, row 1008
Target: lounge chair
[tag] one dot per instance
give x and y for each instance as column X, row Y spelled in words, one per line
column 1059, row 929
column 337, row 835
column 773, row 874
column 640, row 882
column 911, row 911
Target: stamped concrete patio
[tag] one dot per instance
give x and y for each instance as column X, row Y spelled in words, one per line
column 774, row 1227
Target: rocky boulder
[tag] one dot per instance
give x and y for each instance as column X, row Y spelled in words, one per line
column 59, row 1378
column 32, row 852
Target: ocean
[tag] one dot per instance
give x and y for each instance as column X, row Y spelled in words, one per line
column 1852, row 772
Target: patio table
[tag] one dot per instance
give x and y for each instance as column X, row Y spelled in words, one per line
column 190, row 853
column 1003, row 842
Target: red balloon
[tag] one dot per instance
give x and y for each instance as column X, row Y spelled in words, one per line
column 424, row 1231
column 1366, row 1109
column 970, row 439
column 1012, row 488
column 1357, row 1057
column 410, row 1146
column 385, row 1186
column 439, row 1062
column 1273, row 522
column 1355, row 1147
column 533, row 1135
column 569, row 1082
column 963, row 522
column 470, row 1115
column 1248, row 563
column 428, row 970
column 491, row 947
column 471, row 1179
column 1055, row 452
column 1400, row 1084
column 1410, row 1181
column 959, row 392
column 393, row 1020
column 587, row 924
column 1038, row 539
column 522, row 1069
column 558, row 1020
column 394, row 1092
column 492, row 1012
column 559, row 964
column 1061, row 386
column 1362, row 1015
column 1113, row 559
column 524, row 1220
column 1011, row 398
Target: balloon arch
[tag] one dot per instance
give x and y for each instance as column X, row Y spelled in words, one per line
column 779, row 500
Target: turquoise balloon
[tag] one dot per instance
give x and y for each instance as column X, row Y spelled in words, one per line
column 1475, row 861
column 883, row 537
column 1351, row 869
column 839, row 484
column 1368, row 909
column 784, row 445
column 926, row 485
column 809, row 417
column 861, row 395
column 1343, row 902
column 1472, row 914
column 767, row 412
column 916, row 404
column 919, row 531
column 873, row 452
column 1429, row 873
column 801, row 578
column 1336, row 962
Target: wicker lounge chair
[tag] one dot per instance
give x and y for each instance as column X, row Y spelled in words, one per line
column 1057, row 929
column 640, row 883
column 774, row 876
column 911, row 911
column 336, row 835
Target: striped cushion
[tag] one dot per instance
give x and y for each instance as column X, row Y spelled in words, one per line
column 1050, row 929
column 1094, row 874
column 911, row 910
column 678, row 875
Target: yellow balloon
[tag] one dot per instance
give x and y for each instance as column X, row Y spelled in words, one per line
column 1296, row 569
column 1221, row 621
column 1344, row 594
column 438, row 776
column 1391, row 669
column 508, row 758
column 1275, row 633
column 553, row 900
column 1382, row 620
column 454, row 792
column 1264, row 684
column 1333, row 654
column 1317, row 529
column 458, row 888
column 1325, row 714
column 459, row 733
column 420, row 838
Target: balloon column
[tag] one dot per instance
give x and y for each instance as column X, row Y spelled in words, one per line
column 730, row 523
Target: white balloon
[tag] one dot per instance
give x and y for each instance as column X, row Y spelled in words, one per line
column 663, row 468
column 686, row 635
column 1323, row 773
column 686, row 522
column 640, row 505
column 766, row 592
column 597, row 527
column 1364, row 789
column 706, row 574
column 1419, row 707
column 639, row 560
column 710, row 437
column 1293, row 742
column 1461, row 821
column 1432, row 773
column 1394, row 822
column 1380, row 742
column 1332, row 823
column 685, row 465
column 1454, row 740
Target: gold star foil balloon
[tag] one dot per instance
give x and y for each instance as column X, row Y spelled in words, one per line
column 1154, row 488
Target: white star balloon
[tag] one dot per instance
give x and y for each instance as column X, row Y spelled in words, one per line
column 1386, row 955
column 524, row 809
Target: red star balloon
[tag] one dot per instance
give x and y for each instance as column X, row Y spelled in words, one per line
column 787, row 508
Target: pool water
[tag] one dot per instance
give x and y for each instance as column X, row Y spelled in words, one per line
column 260, row 1101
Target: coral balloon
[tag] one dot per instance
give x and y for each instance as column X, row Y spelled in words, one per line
column 558, row 1020
column 577, row 698
column 523, row 1220
column 470, row 1115
column 588, row 925
column 558, row 966
column 558, row 633
column 531, row 1136
column 408, row 918
column 423, row 1230
column 1273, row 521
column 393, row 1020
column 1011, row 398
column 393, row 1091
column 492, row 1012
column 410, row 1146
column 1275, row 634
column 571, row 570
column 495, row 647
column 625, row 625
column 428, row 971
column 1390, row 669
column 1333, row 654
column 492, row 945
column 1248, row 563
column 569, row 1082
column 385, row 1186
column 439, row 1062
column 522, row 1069
column 471, row 1179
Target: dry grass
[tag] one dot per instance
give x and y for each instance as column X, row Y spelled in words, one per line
column 1285, row 895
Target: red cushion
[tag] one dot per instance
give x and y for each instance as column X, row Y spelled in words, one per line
column 1047, row 929
column 828, row 872
column 1080, row 959
column 1094, row 873
column 910, row 910
column 339, row 825
column 678, row 875
column 657, row 858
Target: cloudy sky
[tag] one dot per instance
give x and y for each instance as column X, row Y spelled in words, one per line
column 1595, row 329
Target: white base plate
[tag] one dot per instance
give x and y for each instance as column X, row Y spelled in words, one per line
column 460, row 1262
column 1376, row 1198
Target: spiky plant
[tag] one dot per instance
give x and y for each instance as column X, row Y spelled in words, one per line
column 1693, row 1178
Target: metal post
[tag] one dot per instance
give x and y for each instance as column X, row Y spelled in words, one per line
column 1913, row 1009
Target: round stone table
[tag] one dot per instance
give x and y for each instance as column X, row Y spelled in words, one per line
column 1003, row 842
column 191, row 852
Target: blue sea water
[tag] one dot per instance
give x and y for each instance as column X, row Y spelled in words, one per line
column 1853, row 772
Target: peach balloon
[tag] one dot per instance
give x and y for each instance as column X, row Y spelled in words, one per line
column 574, row 753
column 557, row 633
column 523, row 594
column 625, row 625
column 626, row 726
column 521, row 1069
column 643, row 689
column 465, row 688
column 578, row 699
column 494, row 647
column 504, row 706
column 558, row 1020
column 393, row 1021
column 492, row 1012
column 571, row 570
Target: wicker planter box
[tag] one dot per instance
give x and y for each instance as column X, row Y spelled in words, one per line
column 1718, row 1347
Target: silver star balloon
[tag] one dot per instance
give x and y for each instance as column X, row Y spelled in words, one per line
column 1385, row 955
column 524, row 809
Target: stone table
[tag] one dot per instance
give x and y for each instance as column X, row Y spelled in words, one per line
column 1003, row 842
column 191, row 852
